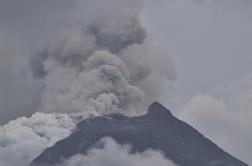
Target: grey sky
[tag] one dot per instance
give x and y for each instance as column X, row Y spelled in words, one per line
column 25, row 27
column 209, row 41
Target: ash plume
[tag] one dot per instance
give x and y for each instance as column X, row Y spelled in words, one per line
column 102, row 63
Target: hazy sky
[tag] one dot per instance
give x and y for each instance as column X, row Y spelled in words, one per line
column 210, row 42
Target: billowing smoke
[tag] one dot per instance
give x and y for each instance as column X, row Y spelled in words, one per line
column 23, row 139
column 103, row 63
column 104, row 155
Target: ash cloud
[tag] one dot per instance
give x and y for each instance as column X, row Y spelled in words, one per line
column 105, row 45
column 73, row 32
column 21, row 140
column 101, row 63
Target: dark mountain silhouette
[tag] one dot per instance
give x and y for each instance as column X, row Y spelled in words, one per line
column 158, row 129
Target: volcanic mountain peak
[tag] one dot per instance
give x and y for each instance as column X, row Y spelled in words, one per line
column 156, row 109
column 158, row 130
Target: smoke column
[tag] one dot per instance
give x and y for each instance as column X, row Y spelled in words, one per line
column 102, row 63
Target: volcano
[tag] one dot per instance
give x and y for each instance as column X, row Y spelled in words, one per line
column 158, row 130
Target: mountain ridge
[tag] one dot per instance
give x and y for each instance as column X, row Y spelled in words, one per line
column 158, row 130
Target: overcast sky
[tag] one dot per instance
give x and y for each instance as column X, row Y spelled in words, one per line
column 210, row 42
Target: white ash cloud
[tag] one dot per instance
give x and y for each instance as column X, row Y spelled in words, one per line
column 21, row 140
column 111, row 153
